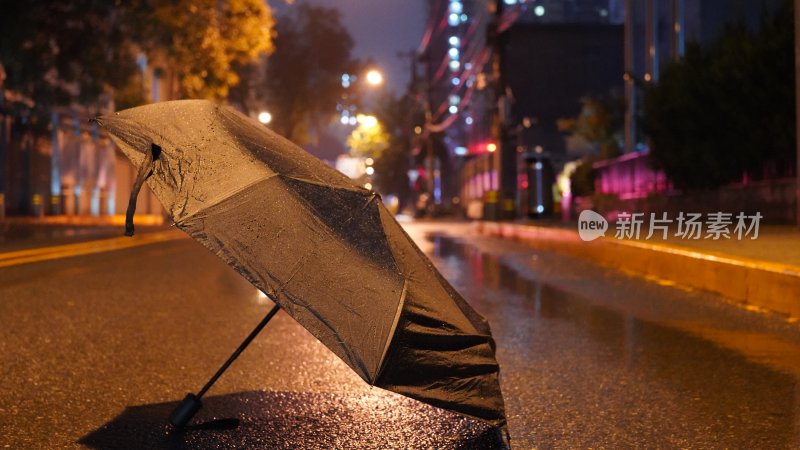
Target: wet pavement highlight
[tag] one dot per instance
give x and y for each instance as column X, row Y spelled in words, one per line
column 590, row 358
column 293, row 420
column 704, row 393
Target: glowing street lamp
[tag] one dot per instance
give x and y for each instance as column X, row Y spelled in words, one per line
column 367, row 121
column 264, row 117
column 374, row 77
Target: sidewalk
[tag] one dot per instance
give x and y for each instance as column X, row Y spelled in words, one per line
column 113, row 220
column 764, row 273
column 778, row 244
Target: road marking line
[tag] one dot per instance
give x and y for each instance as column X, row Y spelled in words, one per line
column 85, row 248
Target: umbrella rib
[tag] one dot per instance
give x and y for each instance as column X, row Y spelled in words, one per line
column 327, row 185
column 352, row 359
column 392, row 331
column 222, row 198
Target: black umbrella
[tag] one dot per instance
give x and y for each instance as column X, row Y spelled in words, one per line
column 323, row 248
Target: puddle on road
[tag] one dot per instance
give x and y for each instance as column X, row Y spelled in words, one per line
column 755, row 373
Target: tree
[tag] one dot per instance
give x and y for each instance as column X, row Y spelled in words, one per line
column 59, row 53
column 398, row 115
column 725, row 109
column 600, row 123
column 303, row 77
column 369, row 139
column 203, row 40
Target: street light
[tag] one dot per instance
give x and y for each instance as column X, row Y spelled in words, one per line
column 264, row 117
column 367, row 121
column 374, row 77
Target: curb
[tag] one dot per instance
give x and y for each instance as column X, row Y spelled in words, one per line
column 115, row 220
column 768, row 285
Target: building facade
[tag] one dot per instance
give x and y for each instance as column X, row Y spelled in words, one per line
column 499, row 74
column 61, row 164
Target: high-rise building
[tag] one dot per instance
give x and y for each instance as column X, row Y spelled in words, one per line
column 493, row 66
column 455, row 59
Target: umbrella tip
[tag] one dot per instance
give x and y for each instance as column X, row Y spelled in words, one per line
column 181, row 416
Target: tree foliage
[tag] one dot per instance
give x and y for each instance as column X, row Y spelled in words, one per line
column 600, row 123
column 202, row 40
column 725, row 109
column 57, row 53
column 303, row 76
column 398, row 114
column 369, row 139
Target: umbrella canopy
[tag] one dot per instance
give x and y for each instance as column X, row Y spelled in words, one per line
column 323, row 248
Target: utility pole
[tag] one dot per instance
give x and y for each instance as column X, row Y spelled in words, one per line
column 653, row 45
column 797, row 105
column 415, row 96
column 502, row 195
column 678, row 28
column 4, row 138
column 630, row 80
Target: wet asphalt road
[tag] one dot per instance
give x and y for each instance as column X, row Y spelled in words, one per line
column 23, row 236
column 95, row 350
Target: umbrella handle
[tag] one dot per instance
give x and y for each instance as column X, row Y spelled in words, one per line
column 191, row 403
column 145, row 170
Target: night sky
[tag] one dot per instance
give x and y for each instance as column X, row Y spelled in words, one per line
column 380, row 29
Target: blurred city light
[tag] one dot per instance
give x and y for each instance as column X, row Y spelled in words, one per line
column 491, row 147
column 453, row 20
column 264, row 117
column 368, row 186
column 369, row 161
column 374, row 77
column 539, row 10
column 369, row 170
column 367, row 121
